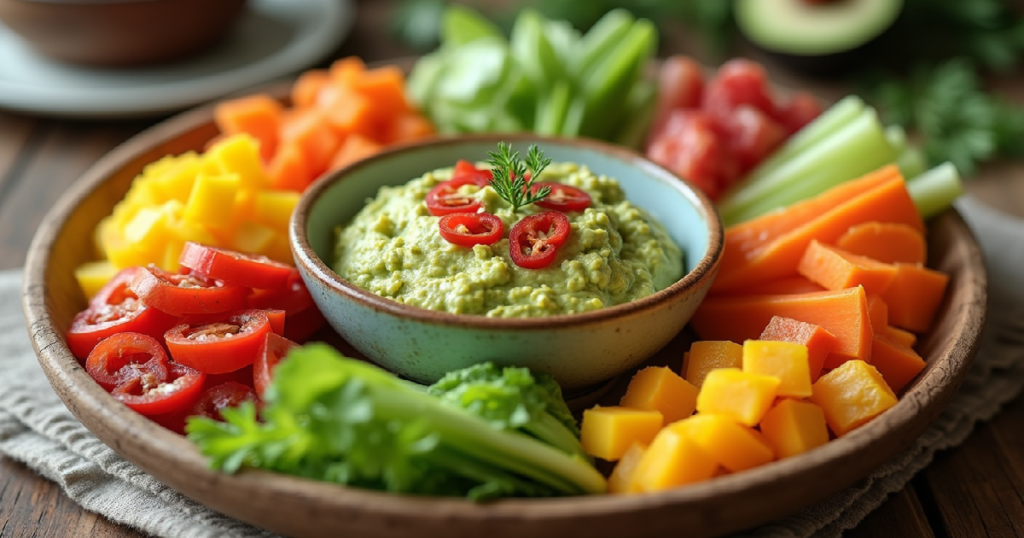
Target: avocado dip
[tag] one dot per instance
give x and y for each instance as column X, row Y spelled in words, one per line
column 615, row 253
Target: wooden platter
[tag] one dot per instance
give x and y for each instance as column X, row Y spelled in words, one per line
column 299, row 507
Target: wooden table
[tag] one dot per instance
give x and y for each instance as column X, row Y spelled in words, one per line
column 971, row 491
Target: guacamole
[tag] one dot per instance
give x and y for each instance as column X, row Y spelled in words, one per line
column 615, row 253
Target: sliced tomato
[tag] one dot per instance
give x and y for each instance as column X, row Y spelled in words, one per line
column 273, row 350
column 249, row 270
column 466, row 169
column 468, row 229
column 125, row 356
column 217, row 397
column 562, row 197
column 738, row 81
column 180, row 390
column 691, row 147
column 219, row 344
column 182, row 295
column 445, row 197
column 680, row 85
column 292, row 298
column 752, row 135
column 534, row 240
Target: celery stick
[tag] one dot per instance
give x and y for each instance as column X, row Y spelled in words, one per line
column 897, row 138
column 934, row 191
column 552, row 108
column 836, row 117
column 532, row 50
column 636, row 122
column 606, row 34
column 856, row 149
column 912, row 162
column 608, row 84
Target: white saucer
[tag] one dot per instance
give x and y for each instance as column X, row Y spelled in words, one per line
column 273, row 38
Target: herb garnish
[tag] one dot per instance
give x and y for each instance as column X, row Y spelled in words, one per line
column 508, row 173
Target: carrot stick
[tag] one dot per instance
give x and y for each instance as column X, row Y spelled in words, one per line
column 887, row 242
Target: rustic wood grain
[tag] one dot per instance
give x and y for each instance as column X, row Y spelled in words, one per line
column 900, row 516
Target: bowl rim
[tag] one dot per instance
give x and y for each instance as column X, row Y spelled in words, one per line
column 706, row 266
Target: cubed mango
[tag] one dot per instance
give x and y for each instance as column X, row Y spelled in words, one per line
column 784, row 360
column 673, row 459
column 92, row 276
column 793, row 427
column 660, row 389
column 851, row 395
column 239, row 154
column 740, row 395
column 274, row 208
column 621, row 479
column 707, row 355
column 211, row 197
column 733, row 445
column 607, row 432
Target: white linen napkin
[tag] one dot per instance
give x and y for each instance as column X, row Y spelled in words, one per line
column 37, row 429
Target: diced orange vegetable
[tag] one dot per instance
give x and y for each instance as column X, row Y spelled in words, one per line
column 607, row 432
column 784, row 360
column 673, row 459
column 835, row 269
column 818, row 341
column 354, row 148
column 899, row 336
column 887, row 242
column 742, row 396
column 258, row 115
column 311, row 131
column 306, row 88
column 732, row 445
column 386, row 86
column 781, row 286
column 888, row 201
column 288, row 169
column 844, row 313
column 851, row 395
column 352, row 113
column 621, row 479
column 914, row 297
column 706, row 355
column 793, row 427
column 897, row 363
column 660, row 389
column 878, row 313
column 408, row 127
column 344, row 71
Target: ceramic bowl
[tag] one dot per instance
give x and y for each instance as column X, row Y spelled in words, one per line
column 119, row 32
column 578, row 349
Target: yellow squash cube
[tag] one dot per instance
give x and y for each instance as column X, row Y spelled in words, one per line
column 274, row 209
column 607, row 432
column 743, row 396
column 784, row 360
column 851, row 395
column 733, row 445
column 175, row 183
column 708, row 355
column 621, row 479
column 92, row 276
column 240, row 154
column 793, row 427
column 212, row 200
column 253, row 238
column 660, row 389
column 673, row 459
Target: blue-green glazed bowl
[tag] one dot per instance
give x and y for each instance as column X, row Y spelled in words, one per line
column 580, row 350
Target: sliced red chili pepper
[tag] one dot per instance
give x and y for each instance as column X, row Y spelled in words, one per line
column 126, row 356
column 221, row 343
column 217, row 397
column 186, row 294
column 292, row 298
column 534, row 240
column 445, row 197
column 301, row 326
column 180, row 390
column 273, row 350
column 468, row 229
column 235, row 267
column 464, row 168
column 562, row 197
column 115, row 309
column 276, row 319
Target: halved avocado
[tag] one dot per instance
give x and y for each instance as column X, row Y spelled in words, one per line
column 815, row 37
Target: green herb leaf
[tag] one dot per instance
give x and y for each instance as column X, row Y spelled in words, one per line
column 508, row 173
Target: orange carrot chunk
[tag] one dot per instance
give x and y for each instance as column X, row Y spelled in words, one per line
column 307, row 87
column 878, row 313
column 899, row 336
column 914, row 296
column 887, row 242
column 386, row 86
column 288, row 169
column 819, row 341
column 844, row 313
column 311, row 131
column 888, row 201
column 780, row 286
column 835, row 269
column 258, row 115
column 408, row 127
column 897, row 363
column 354, row 148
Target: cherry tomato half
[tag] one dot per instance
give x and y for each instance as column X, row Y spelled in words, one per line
column 234, row 267
column 126, row 356
column 468, row 229
column 217, row 344
column 562, row 197
column 292, row 298
column 445, row 197
column 115, row 309
column 273, row 350
column 186, row 294
column 179, row 391
column 534, row 240
column 217, row 397
column 464, row 168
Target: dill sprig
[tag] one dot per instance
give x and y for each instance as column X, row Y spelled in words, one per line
column 508, row 173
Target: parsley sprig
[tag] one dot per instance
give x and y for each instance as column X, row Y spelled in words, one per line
column 508, row 173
